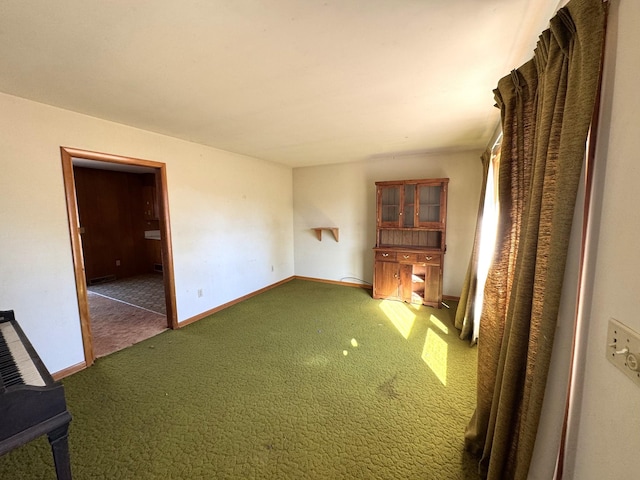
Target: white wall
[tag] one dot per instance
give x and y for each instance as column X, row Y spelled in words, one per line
column 344, row 196
column 606, row 435
column 231, row 220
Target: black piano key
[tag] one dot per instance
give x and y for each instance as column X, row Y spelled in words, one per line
column 8, row 369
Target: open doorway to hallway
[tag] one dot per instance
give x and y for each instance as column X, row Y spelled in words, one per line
column 119, row 226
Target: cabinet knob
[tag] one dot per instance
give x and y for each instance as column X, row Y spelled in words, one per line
column 405, row 256
column 385, row 254
column 428, row 257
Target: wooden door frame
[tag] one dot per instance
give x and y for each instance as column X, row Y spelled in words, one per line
column 68, row 154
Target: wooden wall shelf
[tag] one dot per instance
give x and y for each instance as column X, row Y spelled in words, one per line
column 334, row 230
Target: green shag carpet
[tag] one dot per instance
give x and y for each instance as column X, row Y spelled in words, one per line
column 305, row 381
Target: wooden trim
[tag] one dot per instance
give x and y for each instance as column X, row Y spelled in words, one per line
column 78, row 259
column 67, row 155
column 202, row 315
column 69, row 371
column 335, row 282
column 167, row 249
column 107, row 157
column 451, row 298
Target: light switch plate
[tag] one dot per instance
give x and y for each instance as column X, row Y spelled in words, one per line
column 623, row 349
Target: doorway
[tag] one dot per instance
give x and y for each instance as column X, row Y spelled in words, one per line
column 156, row 171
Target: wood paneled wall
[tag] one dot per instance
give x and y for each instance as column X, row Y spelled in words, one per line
column 111, row 210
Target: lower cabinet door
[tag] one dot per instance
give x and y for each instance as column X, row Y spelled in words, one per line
column 417, row 283
column 433, row 286
column 386, row 282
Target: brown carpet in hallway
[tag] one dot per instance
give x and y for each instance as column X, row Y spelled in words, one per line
column 116, row 325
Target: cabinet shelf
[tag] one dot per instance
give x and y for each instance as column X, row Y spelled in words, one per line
column 334, row 230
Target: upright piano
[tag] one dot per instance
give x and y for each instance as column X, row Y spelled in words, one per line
column 32, row 403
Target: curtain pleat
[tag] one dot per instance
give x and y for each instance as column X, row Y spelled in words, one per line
column 546, row 109
column 465, row 312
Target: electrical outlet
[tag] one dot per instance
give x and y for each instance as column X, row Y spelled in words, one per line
column 623, row 349
column 199, row 292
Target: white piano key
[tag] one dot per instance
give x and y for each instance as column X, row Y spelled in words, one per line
column 28, row 371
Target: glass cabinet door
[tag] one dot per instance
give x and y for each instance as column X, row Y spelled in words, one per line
column 430, row 204
column 389, row 205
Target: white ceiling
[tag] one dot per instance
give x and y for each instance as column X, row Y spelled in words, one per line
column 299, row 82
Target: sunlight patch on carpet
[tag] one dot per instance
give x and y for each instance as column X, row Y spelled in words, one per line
column 438, row 323
column 435, row 353
column 400, row 315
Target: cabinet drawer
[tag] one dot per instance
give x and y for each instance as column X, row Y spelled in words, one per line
column 429, row 258
column 386, row 256
column 407, row 257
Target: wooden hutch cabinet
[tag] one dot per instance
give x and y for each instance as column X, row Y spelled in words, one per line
column 410, row 240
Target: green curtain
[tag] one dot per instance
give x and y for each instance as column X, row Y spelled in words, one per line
column 546, row 110
column 465, row 317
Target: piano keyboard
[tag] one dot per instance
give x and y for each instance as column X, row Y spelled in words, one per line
column 16, row 366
